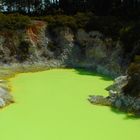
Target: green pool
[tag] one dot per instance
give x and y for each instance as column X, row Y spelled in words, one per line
column 52, row 105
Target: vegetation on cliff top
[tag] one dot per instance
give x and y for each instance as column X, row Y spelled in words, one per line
column 14, row 21
column 127, row 31
column 133, row 87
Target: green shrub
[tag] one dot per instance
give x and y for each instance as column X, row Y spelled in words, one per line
column 60, row 21
column 108, row 25
column 82, row 19
column 133, row 86
column 129, row 35
column 137, row 58
column 14, row 21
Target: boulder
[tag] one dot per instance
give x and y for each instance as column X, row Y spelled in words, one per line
column 119, row 83
column 2, row 103
column 99, row 100
column 3, row 92
column 5, row 96
column 112, row 93
column 118, row 103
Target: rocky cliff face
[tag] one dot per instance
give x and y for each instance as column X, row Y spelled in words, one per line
column 89, row 50
column 24, row 45
column 72, row 48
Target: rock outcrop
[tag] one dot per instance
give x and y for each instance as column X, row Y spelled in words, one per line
column 28, row 45
column 5, row 97
column 88, row 50
column 117, row 98
column 73, row 49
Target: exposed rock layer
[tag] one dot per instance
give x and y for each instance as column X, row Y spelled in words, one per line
column 74, row 49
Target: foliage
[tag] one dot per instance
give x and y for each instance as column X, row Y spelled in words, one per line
column 129, row 35
column 137, row 59
column 82, row 19
column 60, row 21
column 14, row 21
column 109, row 25
column 133, row 86
column 70, row 7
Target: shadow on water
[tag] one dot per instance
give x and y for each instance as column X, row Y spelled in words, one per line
column 127, row 116
column 86, row 72
column 89, row 72
column 132, row 117
column 117, row 111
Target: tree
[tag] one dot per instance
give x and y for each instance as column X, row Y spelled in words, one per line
column 100, row 7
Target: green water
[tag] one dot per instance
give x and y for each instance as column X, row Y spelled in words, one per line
column 52, row 105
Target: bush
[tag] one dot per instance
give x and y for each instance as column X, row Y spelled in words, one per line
column 108, row 25
column 133, row 86
column 60, row 21
column 137, row 58
column 80, row 20
column 129, row 35
column 14, row 21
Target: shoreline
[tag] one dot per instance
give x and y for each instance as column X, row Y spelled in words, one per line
column 115, row 97
column 10, row 71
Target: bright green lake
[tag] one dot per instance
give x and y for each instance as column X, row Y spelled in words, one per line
column 52, row 105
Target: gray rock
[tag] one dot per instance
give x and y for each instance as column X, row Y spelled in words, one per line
column 118, row 104
column 119, row 83
column 5, row 95
column 112, row 93
column 99, row 100
column 3, row 92
column 2, row 103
